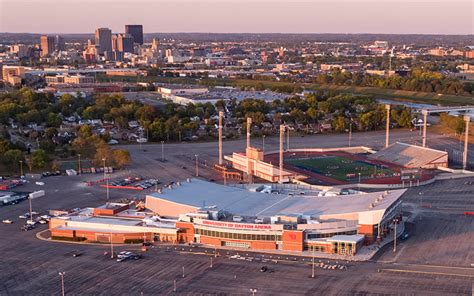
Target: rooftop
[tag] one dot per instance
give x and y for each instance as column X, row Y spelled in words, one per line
column 242, row 201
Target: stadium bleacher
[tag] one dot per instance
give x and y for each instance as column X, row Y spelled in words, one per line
column 412, row 156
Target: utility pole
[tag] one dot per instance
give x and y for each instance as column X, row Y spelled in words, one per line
column 197, row 165
column 61, row 274
column 467, row 119
column 21, row 168
column 174, row 286
column 263, row 144
column 312, row 269
column 183, row 272
column 288, row 138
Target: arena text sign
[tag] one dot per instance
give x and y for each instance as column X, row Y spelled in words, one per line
column 242, row 226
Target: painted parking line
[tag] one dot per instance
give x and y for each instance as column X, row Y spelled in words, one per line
column 426, row 272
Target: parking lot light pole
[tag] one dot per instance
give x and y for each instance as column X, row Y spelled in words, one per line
column 312, row 267
column 263, row 143
column 21, row 168
column 253, row 291
column 211, row 263
column 111, row 247
column 106, row 177
column 31, row 209
column 174, row 286
column 183, row 272
column 79, row 164
column 162, row 151
column 197, row 165
column 395, row 221
column 61, row 274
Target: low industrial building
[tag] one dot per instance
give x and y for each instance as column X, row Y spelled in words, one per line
column 112, row 222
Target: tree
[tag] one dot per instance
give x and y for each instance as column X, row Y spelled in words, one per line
column 103, row 151
column 53, row 120
column 121, row 158
column 339, row 124
column 39, row 159
column 12, row 158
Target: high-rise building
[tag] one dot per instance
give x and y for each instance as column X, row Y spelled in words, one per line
column 59, row 43
column 125, row 43
column 154, row 45
column 103, row 39
column 136, row 31
column 47, row 45
column 20, row 50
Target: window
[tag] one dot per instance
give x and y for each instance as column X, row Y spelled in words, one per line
column 236, row 244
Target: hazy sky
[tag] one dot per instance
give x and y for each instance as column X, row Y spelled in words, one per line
column 280, row 16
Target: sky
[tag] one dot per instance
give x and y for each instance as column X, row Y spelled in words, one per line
column 240, row 16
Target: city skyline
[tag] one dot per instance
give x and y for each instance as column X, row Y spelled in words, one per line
column 264, row 16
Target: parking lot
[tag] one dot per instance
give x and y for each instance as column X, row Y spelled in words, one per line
column 434, row 260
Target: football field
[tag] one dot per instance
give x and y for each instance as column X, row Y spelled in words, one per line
column 340, row 168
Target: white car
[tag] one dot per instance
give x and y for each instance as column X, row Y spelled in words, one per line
column 43, row 222
column 7, row 221
column 31, row 222
column 39, row 183
column 237, row 218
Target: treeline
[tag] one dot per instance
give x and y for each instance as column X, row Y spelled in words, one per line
column 341, row 111
column 417, row 80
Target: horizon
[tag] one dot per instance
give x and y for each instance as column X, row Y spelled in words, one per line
column 423, row 17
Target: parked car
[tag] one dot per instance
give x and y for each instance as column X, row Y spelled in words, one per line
column 7, row 221
column 27, row 227
column 263, row 268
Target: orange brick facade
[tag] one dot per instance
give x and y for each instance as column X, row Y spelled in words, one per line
column 293, row 240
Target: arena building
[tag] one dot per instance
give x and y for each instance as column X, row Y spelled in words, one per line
column 276, row 217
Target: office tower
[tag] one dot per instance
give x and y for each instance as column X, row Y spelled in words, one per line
column 59, row 43
column 136, row 31
column 103, row 39
column 154, row 45
column 47, row 45
column 114, row 42
column 125, row 43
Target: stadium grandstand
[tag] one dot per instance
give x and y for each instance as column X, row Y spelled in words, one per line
column 412, row 156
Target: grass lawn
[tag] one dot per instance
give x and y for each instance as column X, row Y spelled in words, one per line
column 337, row 167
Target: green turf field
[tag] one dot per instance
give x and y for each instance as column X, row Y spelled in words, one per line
column 339, row 168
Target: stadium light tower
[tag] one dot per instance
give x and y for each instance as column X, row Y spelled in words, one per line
column 387, row 131
column 249, row 126
column 467, row 119
column 282, row 138
column 425, row 119
column 221, row 114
